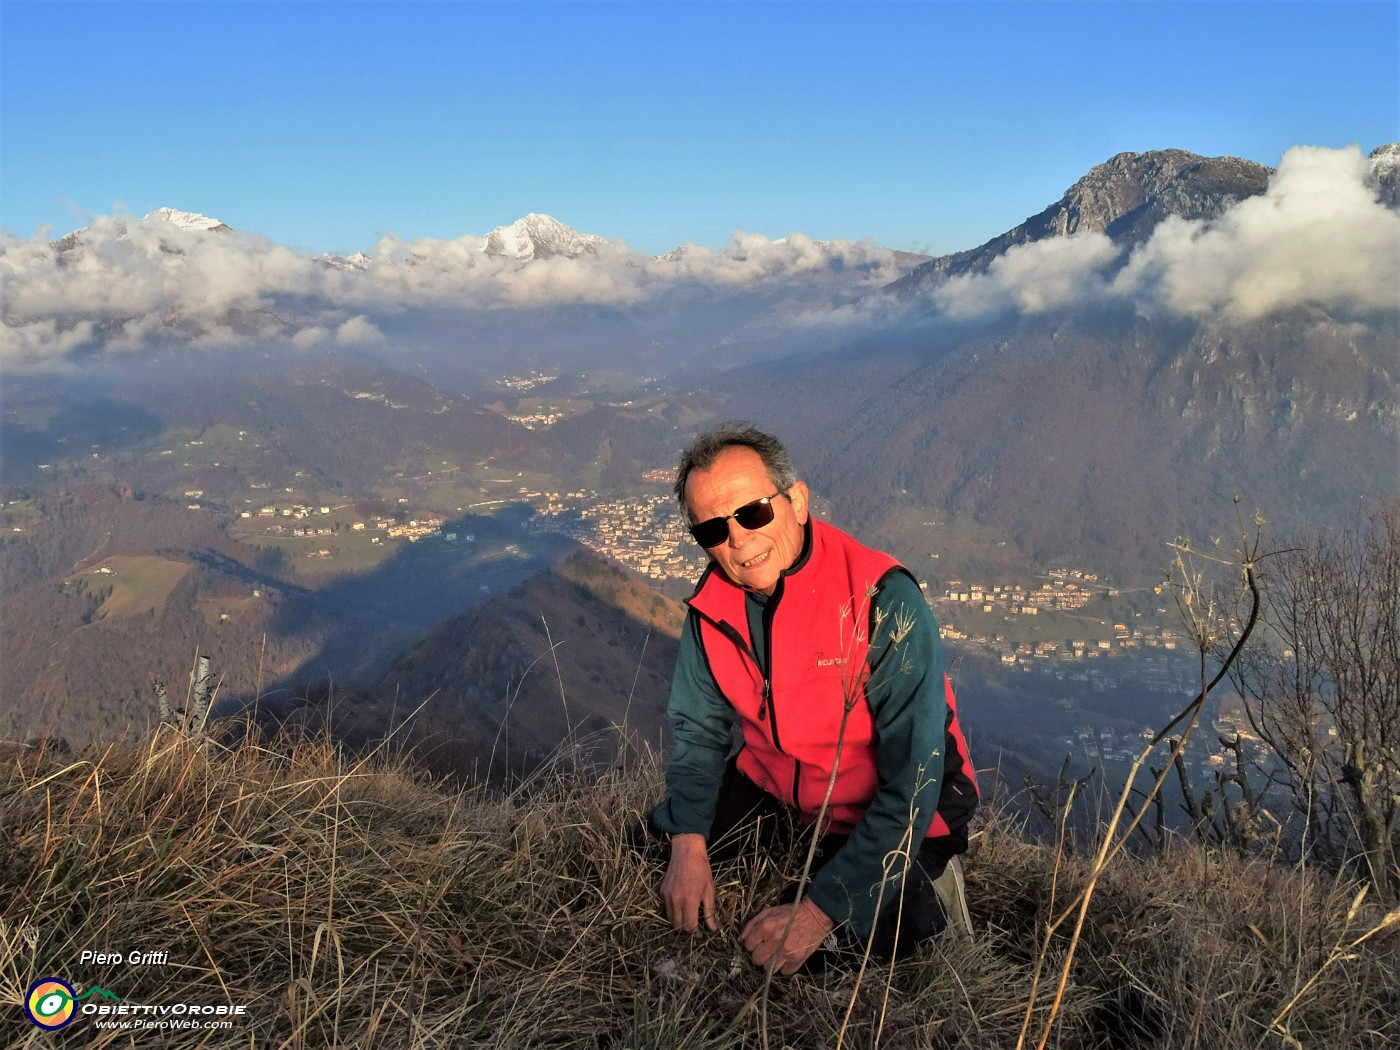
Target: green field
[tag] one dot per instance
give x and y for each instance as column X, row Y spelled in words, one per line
column 351, row 552
column 138, row 584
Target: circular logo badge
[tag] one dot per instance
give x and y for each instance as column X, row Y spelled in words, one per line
column 49, row 1003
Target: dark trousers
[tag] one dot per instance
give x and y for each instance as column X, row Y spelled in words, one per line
column 750, row 822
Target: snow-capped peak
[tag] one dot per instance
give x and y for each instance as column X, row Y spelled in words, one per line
column 359, row 261
column 188, row 220
column 539, row 237
column 1387, row 156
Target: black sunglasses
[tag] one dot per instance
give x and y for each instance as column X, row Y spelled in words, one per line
column 713, row 531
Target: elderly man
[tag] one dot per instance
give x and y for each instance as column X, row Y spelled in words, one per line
column 827, row 655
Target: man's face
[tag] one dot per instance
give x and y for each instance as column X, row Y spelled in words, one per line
column 754, row 560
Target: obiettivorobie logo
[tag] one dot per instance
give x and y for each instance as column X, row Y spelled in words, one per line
column 52, row 1003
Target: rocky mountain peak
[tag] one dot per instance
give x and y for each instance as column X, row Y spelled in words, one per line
column 188, row 220
column 1125, row 197
column 1388, row 154
column 540, row 237
column 1385, row 173
column 359, row 262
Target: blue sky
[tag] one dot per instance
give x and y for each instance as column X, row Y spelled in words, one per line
column 926, row 126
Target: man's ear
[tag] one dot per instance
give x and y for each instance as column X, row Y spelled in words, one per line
column 797, row 496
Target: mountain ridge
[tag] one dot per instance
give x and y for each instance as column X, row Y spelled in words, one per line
column 538, row 236
column 583, row 649
column 1125, row 197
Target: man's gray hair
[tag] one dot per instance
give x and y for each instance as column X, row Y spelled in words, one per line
column 701, row 454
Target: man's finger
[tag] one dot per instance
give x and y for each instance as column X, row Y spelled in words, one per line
column 684, row 918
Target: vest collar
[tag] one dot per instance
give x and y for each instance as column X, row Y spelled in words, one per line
column 803, row 557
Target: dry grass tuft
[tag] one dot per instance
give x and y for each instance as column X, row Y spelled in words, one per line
column 352, row 902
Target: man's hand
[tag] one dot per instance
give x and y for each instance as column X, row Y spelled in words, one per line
column 809, row 928
column 688, row 888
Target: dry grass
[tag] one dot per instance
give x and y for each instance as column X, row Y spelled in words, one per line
column 355, row 903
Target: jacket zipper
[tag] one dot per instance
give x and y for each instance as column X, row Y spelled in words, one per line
column 732, row 633
column 769, row 611
column 767, row 712
column 767, row 705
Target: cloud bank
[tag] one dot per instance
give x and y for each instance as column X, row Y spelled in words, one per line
column 1031, row 278
column 1318, row 235
column 123, row 284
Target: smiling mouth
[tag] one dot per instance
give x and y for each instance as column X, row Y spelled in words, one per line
column 755, row 562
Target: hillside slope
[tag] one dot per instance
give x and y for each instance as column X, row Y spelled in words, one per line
column 1099, row 438
column 581, row 652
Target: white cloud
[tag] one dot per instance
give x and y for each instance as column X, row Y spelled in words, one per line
column 42, row 341
column 130, row 282
column 1031, row 278
column 311, row 336
column 1317, row 236
column 358, row 331
column 752, row 259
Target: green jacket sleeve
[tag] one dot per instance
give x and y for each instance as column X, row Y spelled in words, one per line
column 701, row 721
column 907, row 701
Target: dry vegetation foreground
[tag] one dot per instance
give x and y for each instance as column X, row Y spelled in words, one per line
column 355, row 903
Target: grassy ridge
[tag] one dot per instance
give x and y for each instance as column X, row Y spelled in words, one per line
column 356, row 903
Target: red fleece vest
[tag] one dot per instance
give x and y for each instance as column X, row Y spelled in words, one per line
column 817, row 649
